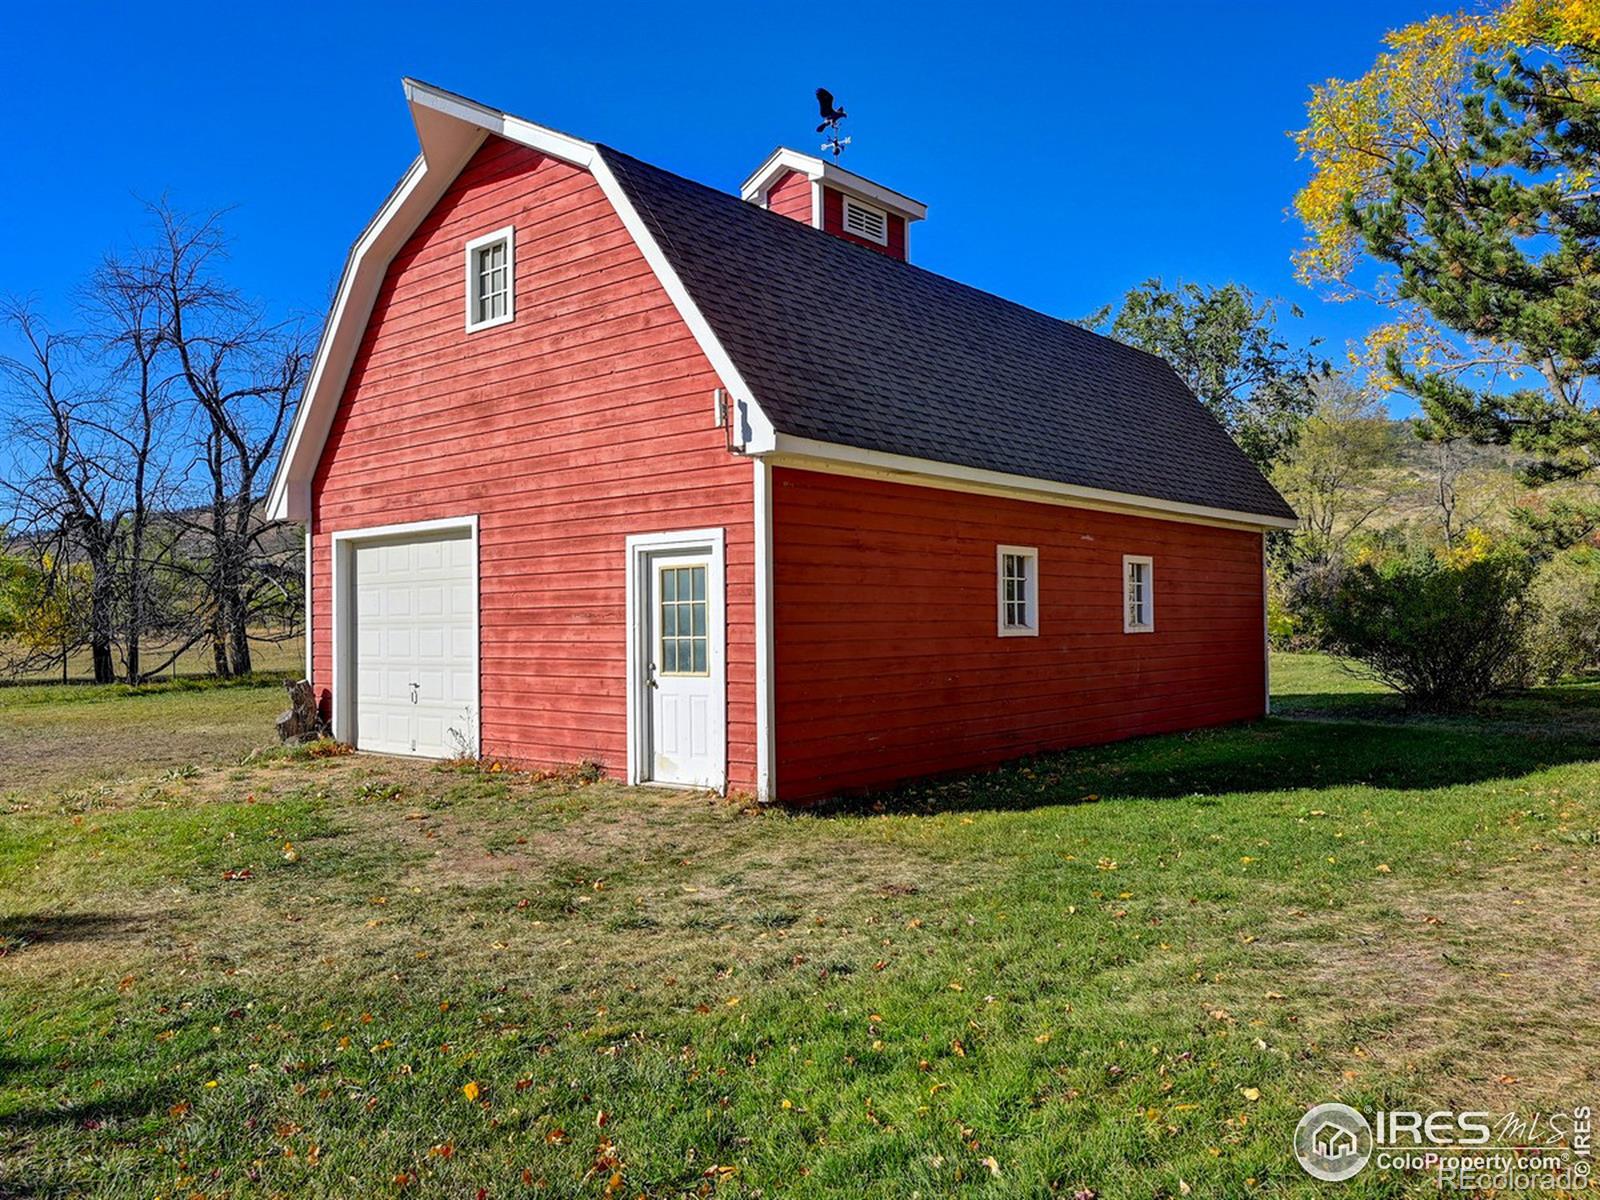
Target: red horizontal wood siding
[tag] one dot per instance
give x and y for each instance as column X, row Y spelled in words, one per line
column 833, row 222
column 790, row 196
column 585, row 419
column 888, row 662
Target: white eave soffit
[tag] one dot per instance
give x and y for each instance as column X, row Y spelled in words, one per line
column 445, row 121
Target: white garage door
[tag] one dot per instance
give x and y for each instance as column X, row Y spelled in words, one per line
column 415, row 661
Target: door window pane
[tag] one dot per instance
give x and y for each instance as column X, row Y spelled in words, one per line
column 682, row 621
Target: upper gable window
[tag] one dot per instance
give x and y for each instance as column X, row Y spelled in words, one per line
column 1138, row 594
column 870, row 224
column 490, row 298
column 1017, row 576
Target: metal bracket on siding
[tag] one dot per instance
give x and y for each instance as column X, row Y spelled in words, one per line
column 726, row 409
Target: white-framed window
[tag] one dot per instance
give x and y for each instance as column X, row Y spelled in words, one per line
column 1017, row 590
column 1138, row 594
column 871, row 224
column 491, row 267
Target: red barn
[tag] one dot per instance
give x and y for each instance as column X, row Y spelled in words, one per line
column 721, row 491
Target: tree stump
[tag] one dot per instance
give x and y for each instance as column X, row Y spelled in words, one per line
column 301, row 722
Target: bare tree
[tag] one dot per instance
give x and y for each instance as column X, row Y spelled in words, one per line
column 131, row 332
column 87, row 415
column 64, row 495
column 1465, row 486
column 140, row 448
column 241, row 376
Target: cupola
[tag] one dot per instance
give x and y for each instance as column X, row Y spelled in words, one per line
column 825, row 196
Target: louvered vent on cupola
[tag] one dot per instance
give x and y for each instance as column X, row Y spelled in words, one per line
column 866, row 222
column 824, row 195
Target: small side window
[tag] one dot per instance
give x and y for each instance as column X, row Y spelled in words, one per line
column 490, row 274
column 1138, row 594
column 1017, row 577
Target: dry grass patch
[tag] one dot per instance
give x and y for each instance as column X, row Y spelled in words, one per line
column 88, row 735
column 1475, row 990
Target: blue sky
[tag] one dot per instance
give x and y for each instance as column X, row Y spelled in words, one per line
column 1066, row 151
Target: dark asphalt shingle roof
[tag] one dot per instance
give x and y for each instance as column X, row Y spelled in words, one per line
column 845, row 345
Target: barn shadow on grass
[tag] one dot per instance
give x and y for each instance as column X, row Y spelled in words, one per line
column 1567, row 709
column 1262, row 756
column 19, row 931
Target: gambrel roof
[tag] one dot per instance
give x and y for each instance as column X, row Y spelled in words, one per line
column 848, row 347
column 836, row 354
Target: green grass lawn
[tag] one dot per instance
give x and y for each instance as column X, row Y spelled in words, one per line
column 1128, row 969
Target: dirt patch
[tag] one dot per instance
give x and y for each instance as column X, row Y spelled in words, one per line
column 49, row 747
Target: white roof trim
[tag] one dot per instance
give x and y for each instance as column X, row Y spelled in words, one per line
column 830, row 457
column 290, row 494
column 450, row 129
column 820, row 170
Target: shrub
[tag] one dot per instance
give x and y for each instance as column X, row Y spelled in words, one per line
column 1444, row 629
column 1281, row 624
column 1564, row 637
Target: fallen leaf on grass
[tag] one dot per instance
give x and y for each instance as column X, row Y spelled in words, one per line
column 470, row 1089
column 1251, row 1094
column 237, row 875
column 994, row 1167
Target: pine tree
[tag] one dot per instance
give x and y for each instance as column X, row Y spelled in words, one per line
column 1495, row 236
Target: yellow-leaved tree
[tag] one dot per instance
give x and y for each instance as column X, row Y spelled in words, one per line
column 1457, row 183
column 1409, row 102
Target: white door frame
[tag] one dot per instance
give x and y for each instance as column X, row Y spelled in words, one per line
column 640, row 546
column 344, row 612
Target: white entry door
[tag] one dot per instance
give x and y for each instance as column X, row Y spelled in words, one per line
column 679, row 659
column 415, row 662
